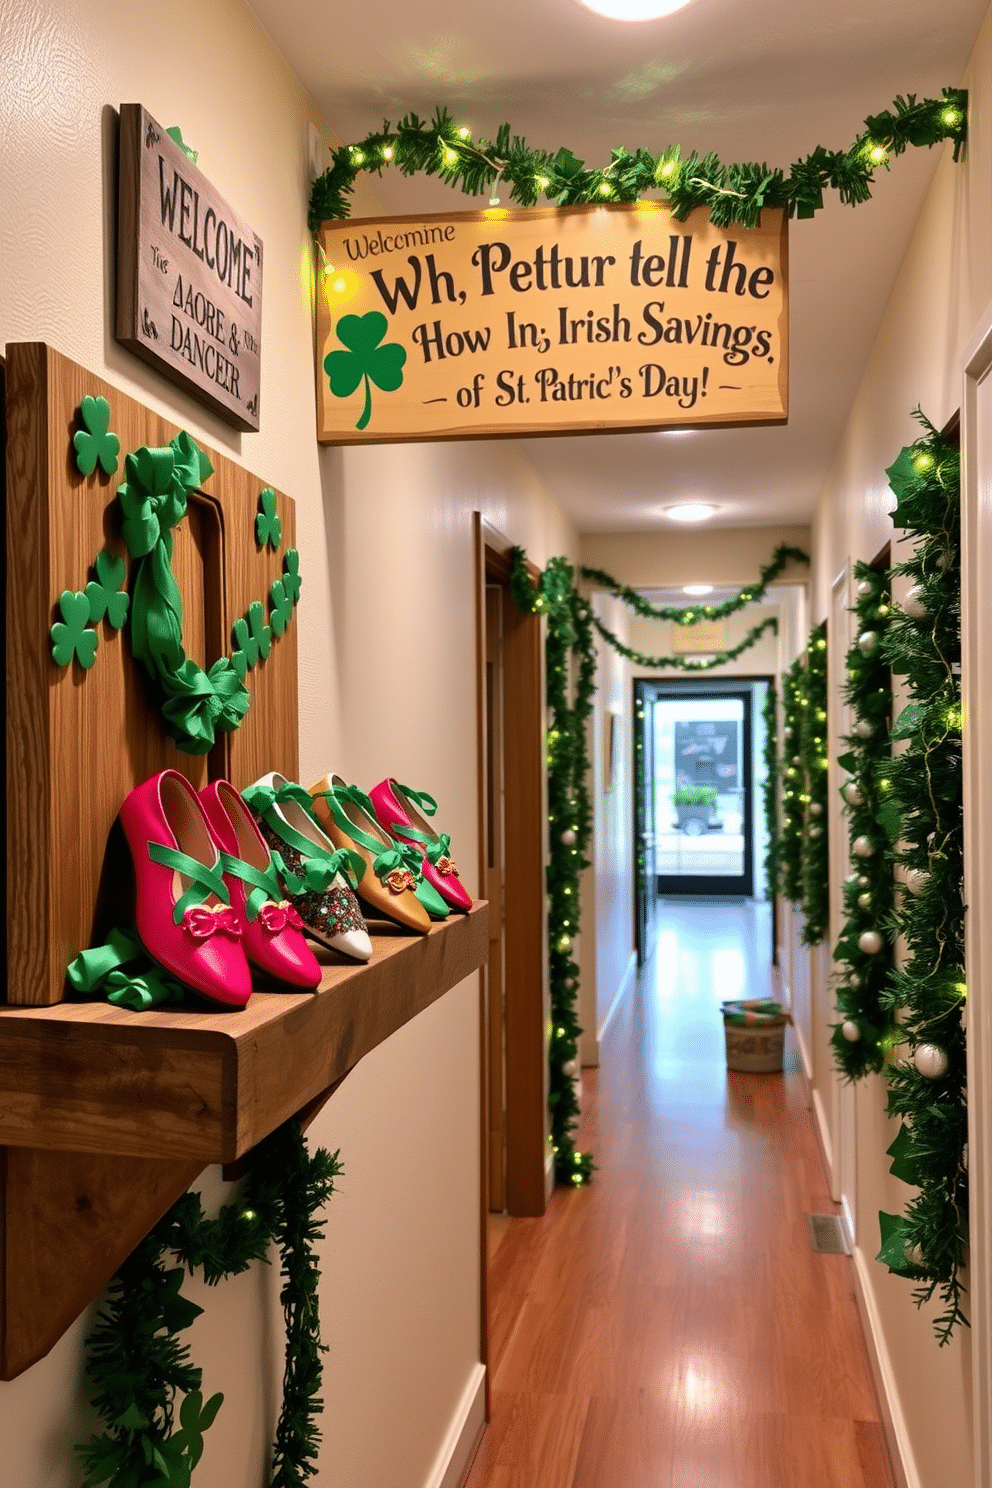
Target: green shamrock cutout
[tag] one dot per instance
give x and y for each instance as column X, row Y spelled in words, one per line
column 253, row 636
column 93, row 444
column 176, row 134
column 365, row 358
column 282, row 607
column 104, row 592
column 268, row 524
column 291, row 581
column 73, row 638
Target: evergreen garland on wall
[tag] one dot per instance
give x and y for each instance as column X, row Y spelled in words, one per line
column 732, row 193
column 138, row 1365
column 864, row 949
column 790, row 845
column 926, row 996
column 569, row 634
column 815, row 758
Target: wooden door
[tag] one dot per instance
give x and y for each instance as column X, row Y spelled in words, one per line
column 495, row 887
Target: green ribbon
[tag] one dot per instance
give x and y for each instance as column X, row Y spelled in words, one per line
column 153, row 499
column 263, row 798
column 384, row 861
column 421, row 799
column 319, row 870
column 99, row 971
column 206, row 881
column 266, row 884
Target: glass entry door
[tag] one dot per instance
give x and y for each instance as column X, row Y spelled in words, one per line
column 702, row 793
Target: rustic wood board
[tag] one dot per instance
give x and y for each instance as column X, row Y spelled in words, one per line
column 209, row 1086
column 189, row 274
column 78, row 742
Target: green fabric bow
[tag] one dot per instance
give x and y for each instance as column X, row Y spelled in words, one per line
column 100, row 971
column 318, row 872
column 153, row 499
column 262, row 799
column 397, row 856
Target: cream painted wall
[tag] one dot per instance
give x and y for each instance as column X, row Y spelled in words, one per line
column 942, row 290
column 387, row 685
column 701, row 555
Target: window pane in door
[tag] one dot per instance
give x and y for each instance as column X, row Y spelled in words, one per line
column 699, row 789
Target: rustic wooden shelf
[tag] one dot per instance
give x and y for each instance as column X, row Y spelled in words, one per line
column 208, row 1086
column 107, row 1116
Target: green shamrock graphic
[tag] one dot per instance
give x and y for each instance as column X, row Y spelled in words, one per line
column 104, row 592
column 282, row 607
column 253, row 638
column 73, row 638
column 365, row 358
column 93, row 443
column 268, row 524
column 291, row 581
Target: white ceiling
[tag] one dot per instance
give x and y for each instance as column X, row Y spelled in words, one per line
column 755, row 79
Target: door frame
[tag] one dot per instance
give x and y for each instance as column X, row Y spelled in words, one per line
column 529, row 1173
column 710, row 687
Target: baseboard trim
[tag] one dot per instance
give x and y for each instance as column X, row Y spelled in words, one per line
column 457, row 1451
column 823, row 1131
column 904, row 1469
column 629, row 974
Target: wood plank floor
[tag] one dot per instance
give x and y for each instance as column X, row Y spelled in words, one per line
column 669, row 1326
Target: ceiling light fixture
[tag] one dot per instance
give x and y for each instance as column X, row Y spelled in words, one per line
column 634, row 10
column 690, row 511
column 695, row 589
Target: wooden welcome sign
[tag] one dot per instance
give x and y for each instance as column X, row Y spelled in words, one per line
column 189, row 274
column 549, row 321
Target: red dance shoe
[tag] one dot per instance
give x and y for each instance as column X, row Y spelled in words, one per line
column 271, row 929
column 184, row 917
column 398, row 808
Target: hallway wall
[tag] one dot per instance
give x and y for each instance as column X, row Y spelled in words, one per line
column 944, row 286
column 387, row 686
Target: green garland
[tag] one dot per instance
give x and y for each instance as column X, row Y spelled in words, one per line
column 863, row 1038
column 769, row 714
column 569, row 634
column 814, row 752
column 693, row 614
column 732, row 193
column 790, row 845
column 926, row 995
column 687, row 663
column 136, row 1361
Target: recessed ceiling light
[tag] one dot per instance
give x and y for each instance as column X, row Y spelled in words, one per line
column 634, row 10
column 690, row 511
column 697, row 589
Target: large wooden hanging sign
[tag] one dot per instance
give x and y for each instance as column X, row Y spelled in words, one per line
column 189, row 274
column 549, row 321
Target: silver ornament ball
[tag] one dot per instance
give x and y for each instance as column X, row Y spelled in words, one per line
column 570, row 1068
column 797, row 760
column 864, row 901
column 930, row 1061
column 913, row 1254
column 863, row 880
column 816, row 831
column 870, row 941
column 863, row 847
column 916, row 881
column 913, row 605
column 816, row 809
column 852, row 794
column 867, row 641
column 865, row 588
column 568, row 837
column 851, row 1031
column 864, row 729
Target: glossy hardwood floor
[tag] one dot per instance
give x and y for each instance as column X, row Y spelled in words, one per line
column 669, row 1326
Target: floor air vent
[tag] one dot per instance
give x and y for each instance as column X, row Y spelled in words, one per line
column 826, row 1235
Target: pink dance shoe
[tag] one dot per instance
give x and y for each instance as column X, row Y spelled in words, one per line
column 184, row 917
column 399, row 809
column 271, row 929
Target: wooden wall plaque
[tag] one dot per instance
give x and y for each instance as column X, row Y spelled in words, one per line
column 189, row 274
column 549, row 321
column 78, row 742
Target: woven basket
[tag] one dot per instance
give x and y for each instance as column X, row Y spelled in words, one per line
column 755, row 1035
